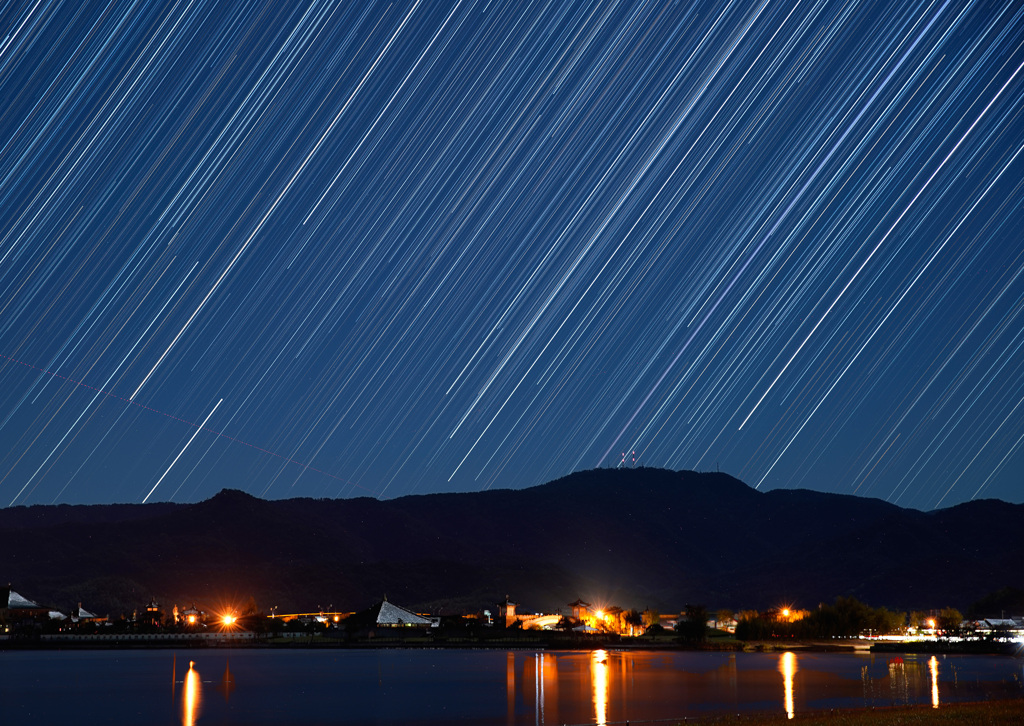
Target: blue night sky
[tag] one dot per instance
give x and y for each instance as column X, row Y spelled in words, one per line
column 372, row 249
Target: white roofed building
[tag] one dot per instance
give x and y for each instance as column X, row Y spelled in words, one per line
column 16, row 608
column 1004, row 627
column 390, row 615
column 81, row 615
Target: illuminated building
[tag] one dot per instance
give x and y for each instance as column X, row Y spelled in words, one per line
column 192, row 617
column 16, row 609
column 83, row 616
column 152, row 617
column 508, row 617
column 507, row 612
column 579, row 609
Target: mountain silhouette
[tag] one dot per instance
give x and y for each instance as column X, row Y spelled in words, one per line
column 633, row 537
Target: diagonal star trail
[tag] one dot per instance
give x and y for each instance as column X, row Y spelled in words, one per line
column 413, row 247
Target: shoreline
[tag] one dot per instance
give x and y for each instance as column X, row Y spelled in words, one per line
column 995, row 712
column 538, row 641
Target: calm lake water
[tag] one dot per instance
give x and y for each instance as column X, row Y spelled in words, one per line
column 473, row 686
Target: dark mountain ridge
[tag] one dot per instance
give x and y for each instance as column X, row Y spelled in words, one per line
column 634, row 537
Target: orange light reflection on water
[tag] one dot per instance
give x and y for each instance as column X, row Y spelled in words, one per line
column 510, row 685
column 192, row 696
column 933, row 668
column 599, row 677
column 787, row 667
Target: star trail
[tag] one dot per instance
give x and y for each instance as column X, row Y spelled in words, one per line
column 333, row 249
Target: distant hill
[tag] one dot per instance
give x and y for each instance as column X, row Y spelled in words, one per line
column 633, row 537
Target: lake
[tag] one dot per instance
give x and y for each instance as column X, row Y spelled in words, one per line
column 438, row 687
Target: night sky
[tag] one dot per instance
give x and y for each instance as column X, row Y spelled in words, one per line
column 348, row 249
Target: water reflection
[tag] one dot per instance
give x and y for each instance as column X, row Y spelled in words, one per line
column 306, row 687
column 546, row 685
column 899, row 679
column 540, row 680
column 787, row 667
column 604, row 686
column 192, row 697
column 227, row 681
column 510, row 687
column 599, row 677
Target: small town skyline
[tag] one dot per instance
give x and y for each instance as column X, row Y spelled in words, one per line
column 23, row 619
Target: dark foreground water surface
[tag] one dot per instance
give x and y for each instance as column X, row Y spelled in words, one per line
column 472, row 686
